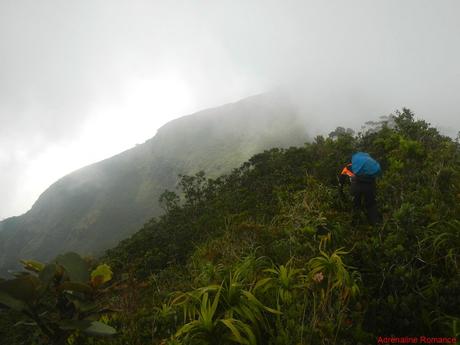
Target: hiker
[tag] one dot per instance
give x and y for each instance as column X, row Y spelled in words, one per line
column 361, row 173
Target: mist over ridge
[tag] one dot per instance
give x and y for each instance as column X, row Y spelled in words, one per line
column 73, row 71
column 96, row 206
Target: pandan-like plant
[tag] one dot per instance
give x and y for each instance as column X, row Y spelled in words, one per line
column 226, row 313
column 209, row 326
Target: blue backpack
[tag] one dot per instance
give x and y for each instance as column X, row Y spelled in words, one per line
column 363, row 164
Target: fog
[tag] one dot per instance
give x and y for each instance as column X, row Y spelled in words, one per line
column 83, row 80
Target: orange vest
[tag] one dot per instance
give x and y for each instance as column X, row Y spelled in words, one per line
column 347, row 171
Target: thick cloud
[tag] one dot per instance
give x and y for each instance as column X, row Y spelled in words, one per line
column 80, row 80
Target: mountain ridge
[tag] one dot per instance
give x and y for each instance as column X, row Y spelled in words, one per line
column 96, row 206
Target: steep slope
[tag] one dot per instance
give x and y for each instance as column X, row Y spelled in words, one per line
column 95, row 207
column 272, row 254
column 270, row 234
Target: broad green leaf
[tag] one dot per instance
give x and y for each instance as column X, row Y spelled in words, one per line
column 74, row 324
column 32, row 265
column 101, row 275
column 75, row 266
column 11, row 302
column 83, row 306
column 94, row 316
column 24, row 288
column 100, row 329
column 47, row 273
column 75, row 286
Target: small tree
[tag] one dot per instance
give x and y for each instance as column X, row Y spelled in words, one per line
column 61, row 298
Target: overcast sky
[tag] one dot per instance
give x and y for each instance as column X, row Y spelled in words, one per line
column 83, row 80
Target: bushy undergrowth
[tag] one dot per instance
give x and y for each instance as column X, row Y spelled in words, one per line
column 268, row 254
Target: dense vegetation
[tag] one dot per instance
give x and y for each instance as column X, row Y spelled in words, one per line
column 58, row 301
column 268, row 254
